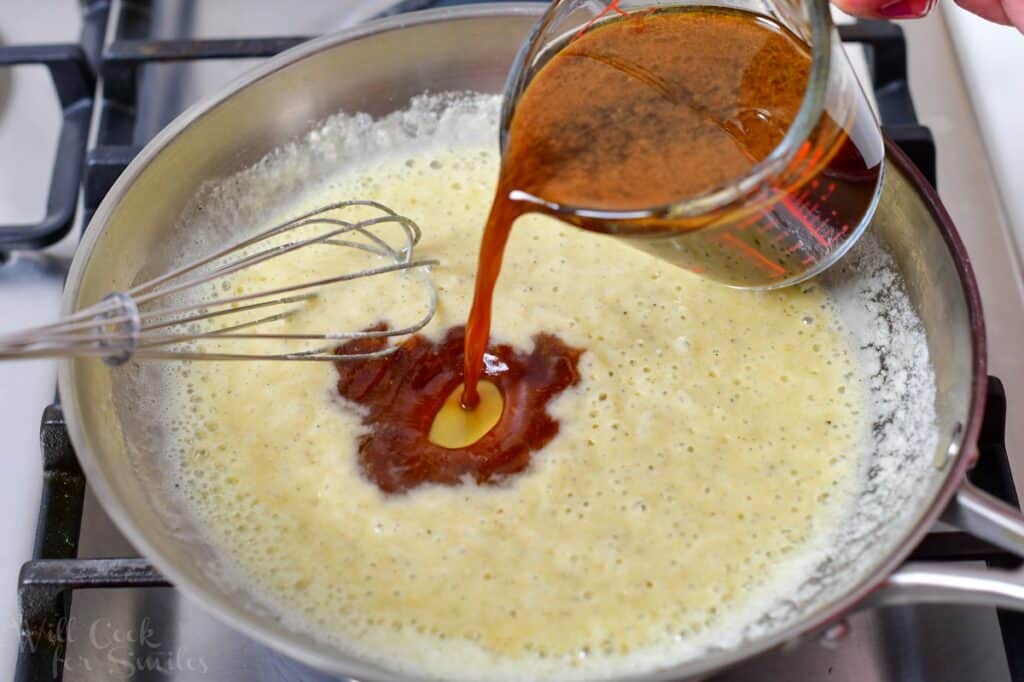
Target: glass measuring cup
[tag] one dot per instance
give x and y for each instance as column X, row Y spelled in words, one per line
column 794, row 212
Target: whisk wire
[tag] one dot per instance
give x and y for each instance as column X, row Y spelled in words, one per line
column 126, row 324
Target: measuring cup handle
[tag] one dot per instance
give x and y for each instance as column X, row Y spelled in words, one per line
column 982, row 515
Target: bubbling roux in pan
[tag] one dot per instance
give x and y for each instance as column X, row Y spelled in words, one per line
column 702, row 462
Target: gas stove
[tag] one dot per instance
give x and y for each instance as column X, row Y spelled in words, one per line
column 89, row 608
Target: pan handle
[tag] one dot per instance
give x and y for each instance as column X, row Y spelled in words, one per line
column 978, row 513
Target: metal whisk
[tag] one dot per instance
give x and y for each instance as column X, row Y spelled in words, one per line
column 132, row 323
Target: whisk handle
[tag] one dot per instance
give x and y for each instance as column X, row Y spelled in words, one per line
column 109, row 329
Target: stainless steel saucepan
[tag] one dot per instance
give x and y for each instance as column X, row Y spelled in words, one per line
column 925, row 424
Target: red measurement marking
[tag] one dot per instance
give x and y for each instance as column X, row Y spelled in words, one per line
column 754, row 255
column 818, row 153
column 798, row 214
column 750, row 220
column 756, row 217
column 613, row 5
column 802, row 152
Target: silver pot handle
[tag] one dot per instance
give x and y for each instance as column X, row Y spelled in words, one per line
column 978, row 513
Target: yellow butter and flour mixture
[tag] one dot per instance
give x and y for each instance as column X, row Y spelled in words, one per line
column 701, row 467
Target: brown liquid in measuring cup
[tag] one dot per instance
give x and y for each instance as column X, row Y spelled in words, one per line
column 658, row 107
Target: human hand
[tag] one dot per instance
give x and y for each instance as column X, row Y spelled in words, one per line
column 1008, row 12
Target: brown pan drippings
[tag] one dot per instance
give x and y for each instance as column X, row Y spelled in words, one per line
column 403, row 392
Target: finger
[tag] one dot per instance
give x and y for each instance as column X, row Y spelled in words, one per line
column 987, row 9
column 1015, row 11
column 886, row 9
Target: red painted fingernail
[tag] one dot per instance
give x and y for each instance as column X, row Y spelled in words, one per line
column 900, row 9
column 905, row 9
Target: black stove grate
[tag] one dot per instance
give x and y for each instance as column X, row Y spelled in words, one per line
column 72, row 68
column 47, row 581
